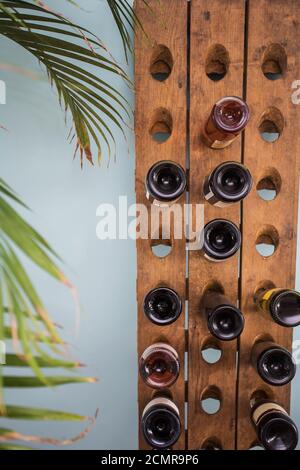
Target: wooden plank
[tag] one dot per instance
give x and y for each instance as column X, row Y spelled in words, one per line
column 212, row 22
column 278, row 22
column 170, row 30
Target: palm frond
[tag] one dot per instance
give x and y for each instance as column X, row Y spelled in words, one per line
column 65, row 49
column 8, row 436
column 38, row 414
column 13, row 381
column 37, row 344
column 126, row 21
column 14, row 447
column 12, row 360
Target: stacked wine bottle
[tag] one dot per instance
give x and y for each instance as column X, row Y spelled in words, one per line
column 229, row 183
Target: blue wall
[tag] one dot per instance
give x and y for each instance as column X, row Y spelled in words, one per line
column 37, row 161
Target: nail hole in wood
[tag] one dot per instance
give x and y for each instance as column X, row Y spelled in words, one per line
column 274, row 63
column 217, row 62
column 161, row 63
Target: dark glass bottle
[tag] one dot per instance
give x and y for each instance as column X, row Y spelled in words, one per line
column 221, row 240
column 225, row 321
column 229, row 182
column 274, row 364
column 274, row 427
column 165, row 183
column 161, row 423
column 162, row 306
column 159, row 365
column 227, row 120
column 282, row 304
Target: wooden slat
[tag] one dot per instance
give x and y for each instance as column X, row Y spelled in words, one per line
column 212, row 22
column 270, row 21
column 165, row 24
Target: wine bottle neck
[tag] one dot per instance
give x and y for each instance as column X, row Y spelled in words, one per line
column 213, row 299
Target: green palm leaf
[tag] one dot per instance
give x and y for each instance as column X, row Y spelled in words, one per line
column 39, row 414
column 12, row 360
column 126, row 21
column 33, row 382
column 63, row 48
column 14, row 447
column 33, row 327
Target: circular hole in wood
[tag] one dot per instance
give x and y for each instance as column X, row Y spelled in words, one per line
column 262, row 286
column 264, row 393
column 211, row 351
column 271, row 125
column 256, row 446
column 269, row 185
column 161, row 248
column 274, row 63
column 213, row 286
column 262, row 338
column 161, row 63
column 217, row 62
column 211, row 443
column 267, row 241
column 166, row 393
column 211, row 400
column 161, row 125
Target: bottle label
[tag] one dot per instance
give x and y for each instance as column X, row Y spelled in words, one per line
column 213, row 259
column 211, row 198
column 157, row 203
column 266, row 297
column 219, row 144
column 158, row 346
column 266, row 408
column 222, row 204
column 209, row 195
column 161, row 401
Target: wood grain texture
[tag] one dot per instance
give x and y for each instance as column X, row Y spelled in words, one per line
column 212, row 22
column 270, row 21
column 165, row 24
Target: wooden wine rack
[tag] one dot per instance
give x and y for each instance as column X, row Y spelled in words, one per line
column 200, row 36
column 154, row 100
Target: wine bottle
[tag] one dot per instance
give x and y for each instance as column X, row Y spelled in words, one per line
column 274, row 427
column 225, row 321
column 282, row 304
column 161, row 423
column 274, row 364
column 227, row 120
column 221, row 240
column 229, row 182
column 159, row 365
column 162, row 306
column 165, row 183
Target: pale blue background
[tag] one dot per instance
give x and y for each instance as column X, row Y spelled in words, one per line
column 37, row 161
